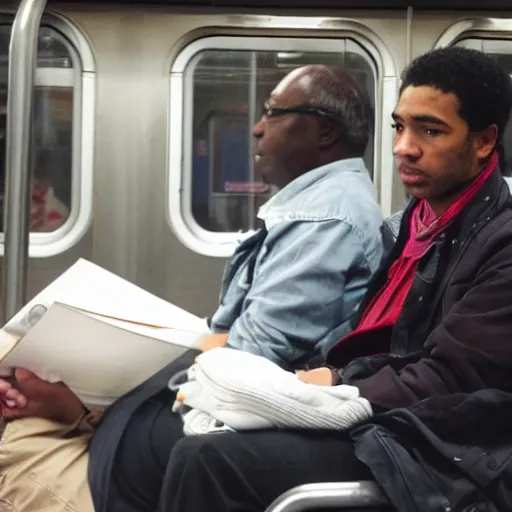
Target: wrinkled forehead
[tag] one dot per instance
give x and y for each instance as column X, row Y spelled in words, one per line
column 297, row 79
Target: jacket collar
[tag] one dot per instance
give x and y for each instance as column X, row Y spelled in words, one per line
column 285, row 198
column 492, row 196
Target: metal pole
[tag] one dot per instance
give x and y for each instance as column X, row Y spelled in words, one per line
column 408, row 37
column 251, row 115
column 22, row 65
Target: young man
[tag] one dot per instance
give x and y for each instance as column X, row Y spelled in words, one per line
column 288, row 293
column 436, row 323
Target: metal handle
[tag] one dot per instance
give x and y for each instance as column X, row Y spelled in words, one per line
column 22, row 66
column 348, row 495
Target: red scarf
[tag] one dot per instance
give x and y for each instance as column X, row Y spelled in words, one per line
column 373, row 333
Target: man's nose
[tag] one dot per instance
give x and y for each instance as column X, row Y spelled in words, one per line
column 406, row 145
column 259, row 128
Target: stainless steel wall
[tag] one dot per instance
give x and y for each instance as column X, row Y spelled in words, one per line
column 133, row 50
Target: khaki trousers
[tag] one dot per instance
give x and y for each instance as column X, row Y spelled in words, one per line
column 44, row 464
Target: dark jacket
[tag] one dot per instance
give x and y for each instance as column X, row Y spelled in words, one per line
column 445, row 454
column 445, row 377
column 454, row 333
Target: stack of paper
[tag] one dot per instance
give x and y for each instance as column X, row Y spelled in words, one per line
column 98, row 333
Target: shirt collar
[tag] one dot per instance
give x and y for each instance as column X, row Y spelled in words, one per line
column 284, row 196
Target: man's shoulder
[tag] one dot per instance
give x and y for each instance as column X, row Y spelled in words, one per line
column 349, row 197
column 496, row 228
column 495, row 225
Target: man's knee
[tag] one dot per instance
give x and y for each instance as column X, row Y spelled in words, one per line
column 199, row 451
column 198, row 475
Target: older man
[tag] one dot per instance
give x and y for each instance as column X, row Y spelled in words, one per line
column 290, row 291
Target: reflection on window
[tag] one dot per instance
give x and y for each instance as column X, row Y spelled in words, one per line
column 501, row 50
column 229, row 89
column 51, row 152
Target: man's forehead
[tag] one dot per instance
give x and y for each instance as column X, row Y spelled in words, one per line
column 299, row 78
column 425, row 101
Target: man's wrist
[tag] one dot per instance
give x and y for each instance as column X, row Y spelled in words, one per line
column 335, row 375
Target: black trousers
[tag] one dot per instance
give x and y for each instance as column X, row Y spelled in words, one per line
column 224, row 472
column 140, row 461
column 142, row 455
column 131, row 445
column 245, row 472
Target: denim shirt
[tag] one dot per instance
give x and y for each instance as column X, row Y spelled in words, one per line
column 289, row 292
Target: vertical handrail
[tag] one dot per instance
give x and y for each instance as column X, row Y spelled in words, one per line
column 251, row 118
column 408, row 36
column 22, row 66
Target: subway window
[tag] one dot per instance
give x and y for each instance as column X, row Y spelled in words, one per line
column 501, row 50
column 57, row 74
column 224, row 90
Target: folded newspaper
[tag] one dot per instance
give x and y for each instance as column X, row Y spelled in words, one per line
column 98, row 333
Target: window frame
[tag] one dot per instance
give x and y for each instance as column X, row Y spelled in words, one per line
column 82, row 77
column 324, row 34
column 489, row 29
column 494, row 28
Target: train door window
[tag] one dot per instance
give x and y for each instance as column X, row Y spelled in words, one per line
column 52, row 141
column 61, row 136
column 223, row 93
column 501, row 50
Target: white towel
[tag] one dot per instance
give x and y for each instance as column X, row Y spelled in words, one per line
column 244, row 391
column 197, row 422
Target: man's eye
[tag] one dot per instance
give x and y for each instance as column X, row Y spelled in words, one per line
column 397, row 127
column 432, row 132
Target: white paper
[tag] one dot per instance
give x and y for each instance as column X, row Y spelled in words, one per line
column 98, row 333
column 91, row 288
column 99, row 361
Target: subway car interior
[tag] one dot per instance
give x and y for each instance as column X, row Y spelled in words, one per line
column 138, row 130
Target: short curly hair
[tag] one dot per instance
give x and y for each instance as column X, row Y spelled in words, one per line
column 483, row 87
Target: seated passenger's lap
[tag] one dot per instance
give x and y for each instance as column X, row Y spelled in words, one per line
column 43, row 465
column 141, row 419
column 143, row 453
column 258, row 464
column 247, row 471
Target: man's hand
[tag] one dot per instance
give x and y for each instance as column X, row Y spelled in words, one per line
column 318, row 376
column 33, row 397
column 212, row 341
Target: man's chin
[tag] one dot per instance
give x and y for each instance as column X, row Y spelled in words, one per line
column 265, row 176
column 260, row 174
column 416, row 191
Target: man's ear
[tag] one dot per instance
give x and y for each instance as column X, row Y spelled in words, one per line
column 485, row 141
column 328, row 134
